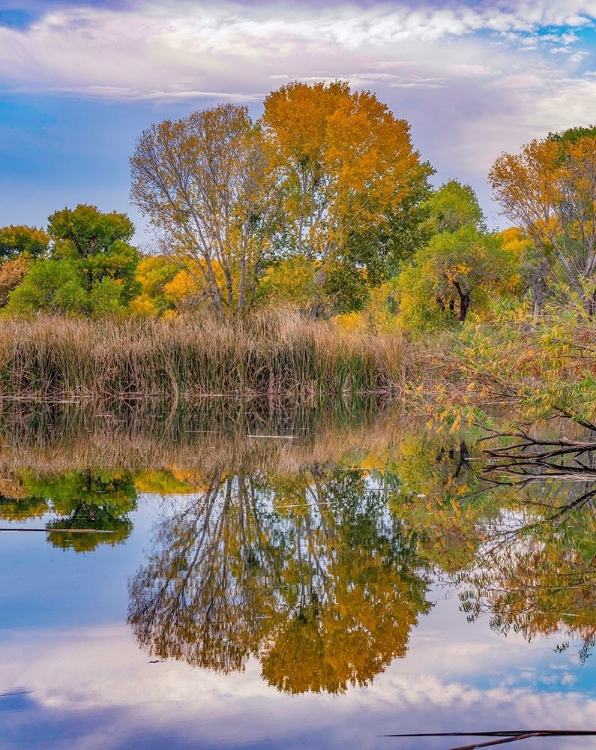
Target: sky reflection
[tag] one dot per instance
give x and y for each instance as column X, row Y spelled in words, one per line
column 64, row 639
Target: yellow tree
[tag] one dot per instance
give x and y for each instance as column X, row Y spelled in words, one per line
column 16, row 240
column 205, row 182
column 168, row 286
column 549, row 191
column 346, row 165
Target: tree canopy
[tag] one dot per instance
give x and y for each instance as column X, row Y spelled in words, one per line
column 548, row 190
column 16, row 240
column 90, row 268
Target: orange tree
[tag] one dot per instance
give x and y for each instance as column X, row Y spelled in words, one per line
column 346, row 169
column 549, row 191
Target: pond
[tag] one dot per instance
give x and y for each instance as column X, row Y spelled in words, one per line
column 299, row 582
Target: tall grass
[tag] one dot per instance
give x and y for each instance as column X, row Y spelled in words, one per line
column 274, row 355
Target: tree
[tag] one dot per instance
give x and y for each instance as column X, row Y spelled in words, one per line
column 53, row 286
column 80, row 500
column 549, row 191
column 97, row 243
column 451, row 207
column 87, row 231
column 459, row 268
column 168, row 286
column 86, row 500
column 16, row 240
column 456, row 271
column 346, row 165
column 12, row 273
column 289, row 281
column 91, row 269
column 206, row 183
column 532, row 269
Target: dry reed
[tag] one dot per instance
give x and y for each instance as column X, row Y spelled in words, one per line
column 275, row 355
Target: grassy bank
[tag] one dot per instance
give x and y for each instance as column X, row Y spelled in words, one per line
column 275, row 356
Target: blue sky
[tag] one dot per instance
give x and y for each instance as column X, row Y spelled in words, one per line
column 79, row 81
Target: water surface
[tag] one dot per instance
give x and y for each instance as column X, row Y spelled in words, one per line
column 274, row 583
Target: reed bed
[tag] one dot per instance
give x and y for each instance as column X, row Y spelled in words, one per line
column 275, row 355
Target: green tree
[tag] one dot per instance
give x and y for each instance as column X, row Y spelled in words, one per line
column 457, row 271
column 452, row 207
column 80, row 500
column 91, row 270
column 86, row 500
column 53, row 286
column 86, row 231
column 461, row 268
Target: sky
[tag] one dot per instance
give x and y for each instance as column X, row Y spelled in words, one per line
column 79, row 81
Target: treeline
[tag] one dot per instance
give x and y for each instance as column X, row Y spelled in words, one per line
column 324, row 206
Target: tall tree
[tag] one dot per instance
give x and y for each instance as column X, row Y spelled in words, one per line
column 346, row 166
column 205, row 182
column 549, row 191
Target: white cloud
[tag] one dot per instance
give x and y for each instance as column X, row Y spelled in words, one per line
column 473, row 79
column 148, row 46
column 98, row 682
column 467, row 69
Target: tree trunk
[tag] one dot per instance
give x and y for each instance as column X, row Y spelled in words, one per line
column 538, row 289
column 464, row 301
column 318, row 303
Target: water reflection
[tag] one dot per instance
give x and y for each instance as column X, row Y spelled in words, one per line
column 535, row 571
column 309, row 572
column 314, row 551
column 77, row 500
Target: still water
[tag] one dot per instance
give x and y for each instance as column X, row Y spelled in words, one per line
column 264, row 584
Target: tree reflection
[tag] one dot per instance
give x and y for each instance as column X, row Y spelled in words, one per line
column 81, row 499
column 308, row 572
column 535, row 571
